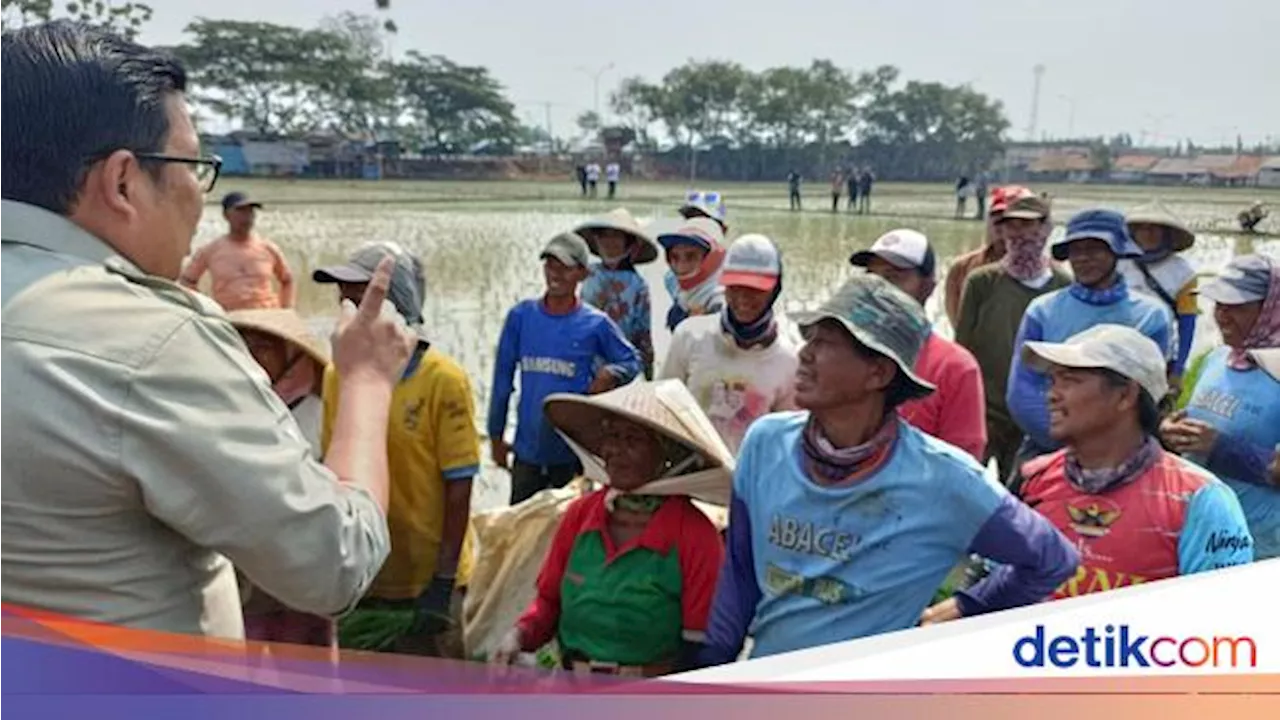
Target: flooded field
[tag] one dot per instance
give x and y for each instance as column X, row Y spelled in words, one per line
column 479, row 242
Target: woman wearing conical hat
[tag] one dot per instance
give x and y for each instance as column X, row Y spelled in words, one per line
column 613, row 284
column 1163, row 273
column 627, row 584
column 294, row 359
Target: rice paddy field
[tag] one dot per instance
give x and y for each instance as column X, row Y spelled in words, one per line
column 479, row 242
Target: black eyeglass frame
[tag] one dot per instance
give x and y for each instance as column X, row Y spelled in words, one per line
column 211, row 161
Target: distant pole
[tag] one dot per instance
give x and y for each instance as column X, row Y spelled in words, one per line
column 595, row 85
column 1071, row 115
column 1038, row 72
column 551, row 138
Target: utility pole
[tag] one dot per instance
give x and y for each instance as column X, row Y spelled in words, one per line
column 1071, row 115
column 1038, row 72
column 595, row 85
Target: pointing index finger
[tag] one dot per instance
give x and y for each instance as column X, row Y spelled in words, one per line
column 376, row 292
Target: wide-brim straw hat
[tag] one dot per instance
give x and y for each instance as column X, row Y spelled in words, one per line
column 623, row 221
column 285, row 324
column 1158, row 215
column 665, row 407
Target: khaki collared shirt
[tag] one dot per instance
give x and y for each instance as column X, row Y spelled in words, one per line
column 144, row 452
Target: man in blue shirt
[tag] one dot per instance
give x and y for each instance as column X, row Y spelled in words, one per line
column 845, row 520
column 554, row 341
column 1094, row 243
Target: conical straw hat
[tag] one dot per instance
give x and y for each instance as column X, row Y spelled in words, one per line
column 1156, row 213
column 285, row 324
column 1268, row 359
column 667, row 408
column 621, row 220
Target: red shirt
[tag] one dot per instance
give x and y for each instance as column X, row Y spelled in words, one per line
column 676, row 526
column 1126, row 536
column 956, row 412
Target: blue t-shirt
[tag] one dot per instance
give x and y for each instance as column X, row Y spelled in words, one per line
column 1057, row 316
column 1244, row 407
column 554, row 353
column 837, row 563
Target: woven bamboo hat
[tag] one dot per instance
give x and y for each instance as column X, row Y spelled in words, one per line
column 668, row 409
column 285, row 324
column 1157, row 215
column 646, row 249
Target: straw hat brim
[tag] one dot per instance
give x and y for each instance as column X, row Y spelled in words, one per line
column 646, row 249
column 664, row 407
column 284, row 324
column 1183, row 238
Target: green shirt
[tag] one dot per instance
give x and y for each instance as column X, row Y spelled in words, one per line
column 991, row 310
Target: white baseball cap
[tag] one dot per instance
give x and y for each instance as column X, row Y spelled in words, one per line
column 752, row 261
column 1118, row 348
column 901, row 248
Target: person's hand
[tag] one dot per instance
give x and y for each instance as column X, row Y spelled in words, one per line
column 604, row 382
column 945, row 611
column 1185, row 435
column 435, row 605
column 507, row 650
column 500, row 451
column 370, row 341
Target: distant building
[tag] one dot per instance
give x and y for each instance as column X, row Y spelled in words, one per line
column 1063, row 166
column 1131, row 168
column 1269, row 172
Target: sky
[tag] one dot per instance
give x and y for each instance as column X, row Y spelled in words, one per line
column 1161, row 70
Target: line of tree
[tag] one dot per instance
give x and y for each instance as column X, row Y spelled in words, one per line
column 727, row 121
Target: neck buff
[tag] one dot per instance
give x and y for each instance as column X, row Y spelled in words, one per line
column 1103, row 479
column 837, row 464
column 1024, row 259
column 1110, row 295
column 1265, row 332
column 625, row 261
column 298, row 380
column 763, row 330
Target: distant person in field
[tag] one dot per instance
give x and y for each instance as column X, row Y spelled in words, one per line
column 613, row 173
column 963, row 188
column 1251, row 217
column 851, row 186
column 242, row 263
column 980, row 196
column 593, row 178
column 581, row 173
column 837, row 186
column 793, row 189
column 865, row 181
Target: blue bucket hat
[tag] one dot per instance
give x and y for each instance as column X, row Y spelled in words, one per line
column 1106, row 225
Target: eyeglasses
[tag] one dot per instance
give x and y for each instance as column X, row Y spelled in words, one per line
column 206, row 169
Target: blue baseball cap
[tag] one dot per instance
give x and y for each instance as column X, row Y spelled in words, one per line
column 1108, row 226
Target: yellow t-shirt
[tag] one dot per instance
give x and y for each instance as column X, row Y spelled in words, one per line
column 431, row 437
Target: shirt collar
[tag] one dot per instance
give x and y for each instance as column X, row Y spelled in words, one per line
column 35, row 226
column 657, row 533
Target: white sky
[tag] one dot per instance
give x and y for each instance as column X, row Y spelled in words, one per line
column 1156, row 69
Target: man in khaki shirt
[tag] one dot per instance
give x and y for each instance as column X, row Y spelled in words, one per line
column 144, row 451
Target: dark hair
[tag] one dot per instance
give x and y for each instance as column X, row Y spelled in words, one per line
column 73, row 93
column 1150, row 411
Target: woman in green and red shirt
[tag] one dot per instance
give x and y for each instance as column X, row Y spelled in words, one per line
column 627, row 584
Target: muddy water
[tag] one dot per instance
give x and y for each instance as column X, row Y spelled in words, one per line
column 480, row 242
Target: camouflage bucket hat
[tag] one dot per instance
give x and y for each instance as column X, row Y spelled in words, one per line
column 881, row 317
